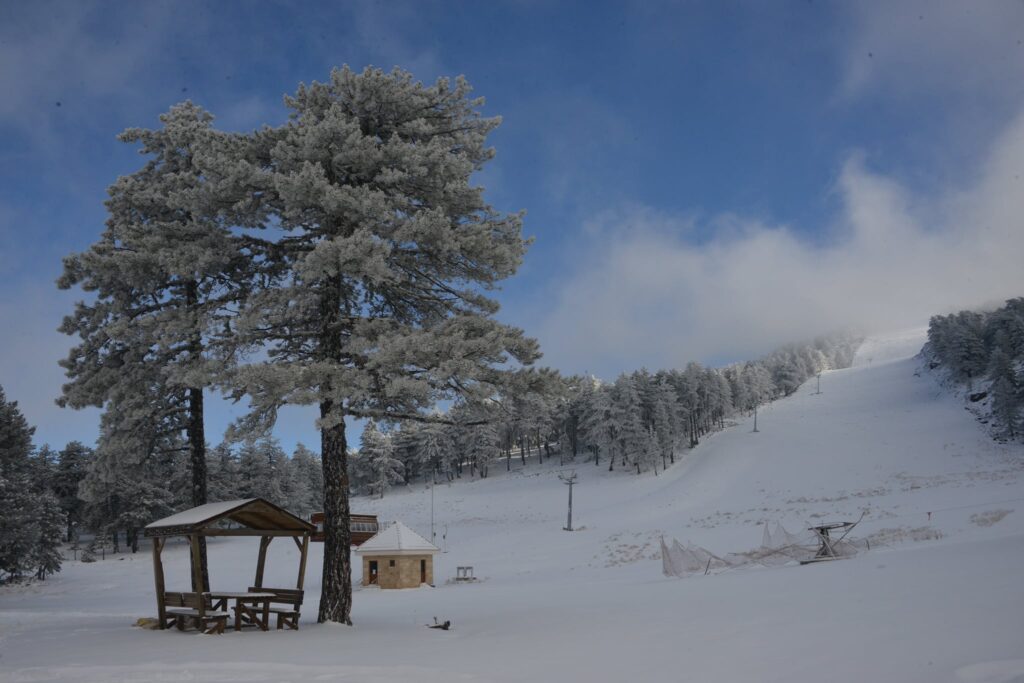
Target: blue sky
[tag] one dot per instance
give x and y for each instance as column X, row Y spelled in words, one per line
column 704, row 180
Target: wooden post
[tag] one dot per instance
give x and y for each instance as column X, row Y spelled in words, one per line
column 197, row 565
column 264, row 544
column 302, row 561
column 158, row 578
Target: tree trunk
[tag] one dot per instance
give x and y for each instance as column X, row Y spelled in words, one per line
column 336, row 595
column 197, row 455
column 197, row 435
column 336, row 591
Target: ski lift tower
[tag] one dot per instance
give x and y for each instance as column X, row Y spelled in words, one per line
column 568, row 480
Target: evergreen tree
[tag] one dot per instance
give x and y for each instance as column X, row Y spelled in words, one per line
column 307, row 473
column 131, row 480
column 476, row 436
column 15, row 437
column 223, row 476
column 665, row 419
column 378, row 451
column 386, row 251
column 597, row 432
column 1006, row 393
column 29, row 543
column 164, row 274
column 260, row 468
column 46, row 558
column 437, row 448
column 72, row 463
column 631, row 435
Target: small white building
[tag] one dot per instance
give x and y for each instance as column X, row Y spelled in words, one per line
column 397, row 557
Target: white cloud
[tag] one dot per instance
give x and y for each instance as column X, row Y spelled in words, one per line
column 645, row 294
column 943, row 45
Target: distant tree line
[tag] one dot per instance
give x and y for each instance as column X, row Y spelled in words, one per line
column 98, row 501
column 637, row 423
column 984, row 351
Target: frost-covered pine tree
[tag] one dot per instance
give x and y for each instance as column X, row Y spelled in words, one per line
column 478, row 442
column 163, row 277
column 666, row 421
column 386, row 251
column 45, row 557
column 1006, row 392
column 437, row 449
column 597, row 431
column 378, row 452
column 406, row 449
column 293, row 488
column 261, row 469
column 72, row 463
column 760, row 387
column 307, row 473
column 222, row 474
column 20, row 496
column 567, row 408
column 126, row 486
column 631, row 435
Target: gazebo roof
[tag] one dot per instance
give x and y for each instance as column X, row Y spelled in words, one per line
column 397, row 539
column 256, row 514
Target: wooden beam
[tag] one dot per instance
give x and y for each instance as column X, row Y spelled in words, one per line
column 262, row 562
column 251, row 532
column 302, row 561
column 197, row 571
column 158, row 578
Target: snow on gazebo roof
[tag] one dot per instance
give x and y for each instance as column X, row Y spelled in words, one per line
column 253, row 513
column 397, row 539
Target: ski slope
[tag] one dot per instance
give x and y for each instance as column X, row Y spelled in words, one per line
column 938, row 598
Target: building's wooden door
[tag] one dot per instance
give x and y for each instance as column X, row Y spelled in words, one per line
column 423, row 571
column 373, row 572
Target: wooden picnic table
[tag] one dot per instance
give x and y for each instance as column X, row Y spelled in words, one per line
column 252, row 607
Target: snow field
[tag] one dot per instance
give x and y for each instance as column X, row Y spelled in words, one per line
column 938, row 598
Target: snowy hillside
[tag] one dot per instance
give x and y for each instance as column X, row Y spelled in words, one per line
column 938, row 598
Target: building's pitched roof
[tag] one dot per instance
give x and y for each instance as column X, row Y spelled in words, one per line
column 397, row 539
column 254, row 513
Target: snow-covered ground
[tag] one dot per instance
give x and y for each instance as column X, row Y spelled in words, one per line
column 939, row 597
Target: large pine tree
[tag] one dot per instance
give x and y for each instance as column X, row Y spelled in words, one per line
column 164, row 275
column 388, row 250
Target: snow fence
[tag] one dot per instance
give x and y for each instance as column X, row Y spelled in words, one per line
column 778, row 547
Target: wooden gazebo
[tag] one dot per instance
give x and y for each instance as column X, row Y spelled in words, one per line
column 248, row 517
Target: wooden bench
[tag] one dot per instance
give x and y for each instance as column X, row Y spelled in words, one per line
column 290, row 601
column 182, row 609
